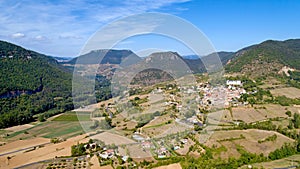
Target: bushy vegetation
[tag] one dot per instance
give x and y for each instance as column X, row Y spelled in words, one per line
column 78, row 150
column 284, row 52
column 30, row 83
column 296, row 120
column 294, row 79
column 270, row 138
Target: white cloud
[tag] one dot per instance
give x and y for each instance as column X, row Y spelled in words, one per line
column 40, row 38
column 67, row 23
column 18, row 35
column 70, row 37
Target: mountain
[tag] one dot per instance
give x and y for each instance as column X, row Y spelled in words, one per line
column 197, row 66
column 107, row 56
column 30, row 83
column 267, row 57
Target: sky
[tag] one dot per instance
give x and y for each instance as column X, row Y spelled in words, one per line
column 62, row 27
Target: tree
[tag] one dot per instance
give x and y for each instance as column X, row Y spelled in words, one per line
column 296, row 120
column 41, row 118
column 78, row 150
column 291, row 124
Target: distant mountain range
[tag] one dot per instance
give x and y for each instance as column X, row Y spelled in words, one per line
column 33, row 83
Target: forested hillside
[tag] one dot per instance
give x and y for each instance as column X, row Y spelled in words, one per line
column 30, row 83
column 268, row 56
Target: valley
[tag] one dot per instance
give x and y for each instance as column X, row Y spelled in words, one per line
column 246, row 120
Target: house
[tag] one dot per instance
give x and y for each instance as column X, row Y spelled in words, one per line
column 103, row 155
column 110, row 151
column 162, row 151
column 161, row 156
column 234, row 82
column 176, row 147
column 183, row 141
column 146, row 145
column 107, row 154
column 125, row 158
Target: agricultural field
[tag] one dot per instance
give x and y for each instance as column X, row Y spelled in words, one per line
column 157, row 117
column 260, row 112
column 290, row 92
column 282, row 163
column 18, row 128
column 73, row 116
column 49, row 129
column 112, row 138
column 40, row 153
column 271, row 82
column 248, row 139
column 171, row 166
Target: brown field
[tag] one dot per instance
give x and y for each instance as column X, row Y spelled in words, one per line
column 104, row 167
column 185, row 149
column 249, row 115
column 158, row 120
column 171, row 166
column 171, row 129
column 282, row 163
column 250, row 143
column 279, row 110
column 47, row 152
column 262, row 112
column 157, row 126
column 290, row 92
column 19, row 144
column 95, row 162
column 121, row 124
column 136, row 152
column 271, row 82
column 231, row 150
column 220, row 117
column 111, row 138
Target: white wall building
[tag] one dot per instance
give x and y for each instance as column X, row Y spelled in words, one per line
column 234, row 82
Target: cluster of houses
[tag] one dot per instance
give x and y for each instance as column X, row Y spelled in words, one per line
column 226, row 95
column 107, row 154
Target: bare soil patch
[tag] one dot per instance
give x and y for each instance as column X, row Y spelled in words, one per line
column 47, row 152
column 20, row 144
column 111, row 138
column 171, row 166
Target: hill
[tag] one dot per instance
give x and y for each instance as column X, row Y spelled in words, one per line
column 266, row 58
column 107, row 56
column 30, row 83
column 197, row 66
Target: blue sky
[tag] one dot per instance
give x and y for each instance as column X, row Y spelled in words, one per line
column 61, row 28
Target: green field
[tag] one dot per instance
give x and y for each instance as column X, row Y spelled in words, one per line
column 73, row 116
column 65, row 126
column 50, row 129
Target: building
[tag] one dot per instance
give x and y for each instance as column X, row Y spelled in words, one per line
column 234, row 83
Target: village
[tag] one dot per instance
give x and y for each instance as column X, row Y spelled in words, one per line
column 175, row 143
